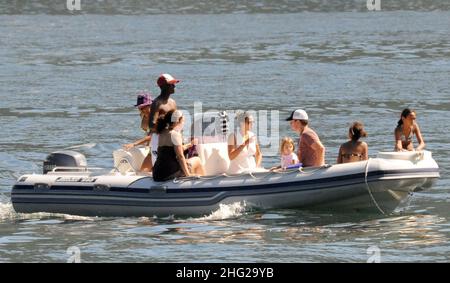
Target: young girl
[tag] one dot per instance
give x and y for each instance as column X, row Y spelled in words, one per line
column 288, row 157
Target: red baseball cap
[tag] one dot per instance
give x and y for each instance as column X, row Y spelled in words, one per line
column 165, row 79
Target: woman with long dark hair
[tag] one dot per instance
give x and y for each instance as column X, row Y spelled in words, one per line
column 354, row 150
column 405, row 130
column 170, row 162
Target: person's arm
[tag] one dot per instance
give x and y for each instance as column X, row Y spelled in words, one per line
column 193, row 142
column 144, row 140
column 398, row 140
column 366, row 151
column 234, row 151
column 174, row 104
column 258, row 156
column 419, row 139
column 339, row 158
column 153, row 116
column 177, row 141
column 299, row 155
column 187, row 146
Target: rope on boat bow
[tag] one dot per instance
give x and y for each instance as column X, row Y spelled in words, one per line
column 368, row 187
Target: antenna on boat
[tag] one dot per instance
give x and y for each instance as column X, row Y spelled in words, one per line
column 223, row 123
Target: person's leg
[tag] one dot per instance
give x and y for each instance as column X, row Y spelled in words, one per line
column 200, row 170
column 147, row 164
column 196, row 166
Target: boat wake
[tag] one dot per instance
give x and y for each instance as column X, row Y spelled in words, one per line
column 7, row 213
column 226, row 211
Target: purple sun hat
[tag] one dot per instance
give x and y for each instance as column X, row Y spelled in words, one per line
column 143, row 99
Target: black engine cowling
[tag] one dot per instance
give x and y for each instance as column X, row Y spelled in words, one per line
column 65, row 158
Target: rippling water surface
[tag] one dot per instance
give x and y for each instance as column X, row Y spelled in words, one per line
column 69, row 79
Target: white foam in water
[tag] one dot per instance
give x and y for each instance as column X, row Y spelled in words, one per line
column 7, row 213
column 227, row 211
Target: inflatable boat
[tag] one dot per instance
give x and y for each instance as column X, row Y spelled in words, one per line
column 69, row 186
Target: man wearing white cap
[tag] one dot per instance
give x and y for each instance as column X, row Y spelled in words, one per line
column 310, row 149
column 160, row 106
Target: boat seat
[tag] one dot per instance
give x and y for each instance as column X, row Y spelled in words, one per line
column 127, row 161
column 214, row 157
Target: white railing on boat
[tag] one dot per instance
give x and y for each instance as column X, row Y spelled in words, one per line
column 66, row 170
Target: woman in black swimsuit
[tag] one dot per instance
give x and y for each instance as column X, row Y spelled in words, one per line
column 171, row 162
column 406, row 128
column 354, row 150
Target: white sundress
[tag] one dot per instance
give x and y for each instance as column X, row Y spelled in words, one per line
column 245, row 161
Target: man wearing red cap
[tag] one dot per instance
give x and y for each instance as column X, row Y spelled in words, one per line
column 163, row 103
column 160, row 106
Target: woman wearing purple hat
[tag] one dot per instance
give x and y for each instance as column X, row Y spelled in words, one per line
column 144, row 101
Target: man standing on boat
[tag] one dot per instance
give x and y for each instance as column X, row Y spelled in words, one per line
column 310, row 149
column 160, row 106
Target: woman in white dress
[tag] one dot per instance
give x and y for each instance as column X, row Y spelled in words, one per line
column 243, row 148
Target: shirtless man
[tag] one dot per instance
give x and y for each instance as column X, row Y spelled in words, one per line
column 160, row 106
column 163, row 103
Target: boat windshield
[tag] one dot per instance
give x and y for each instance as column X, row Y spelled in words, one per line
column 210, row 127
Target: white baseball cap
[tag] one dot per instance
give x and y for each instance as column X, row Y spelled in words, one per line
column 176, row 115
column 298, row 114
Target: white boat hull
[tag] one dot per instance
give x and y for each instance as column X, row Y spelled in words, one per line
column 377, row 185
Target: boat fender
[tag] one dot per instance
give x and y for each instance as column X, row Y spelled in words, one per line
column 41, row 187
column 158, row 189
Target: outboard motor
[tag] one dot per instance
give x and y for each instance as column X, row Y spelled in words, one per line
column 64, row 158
